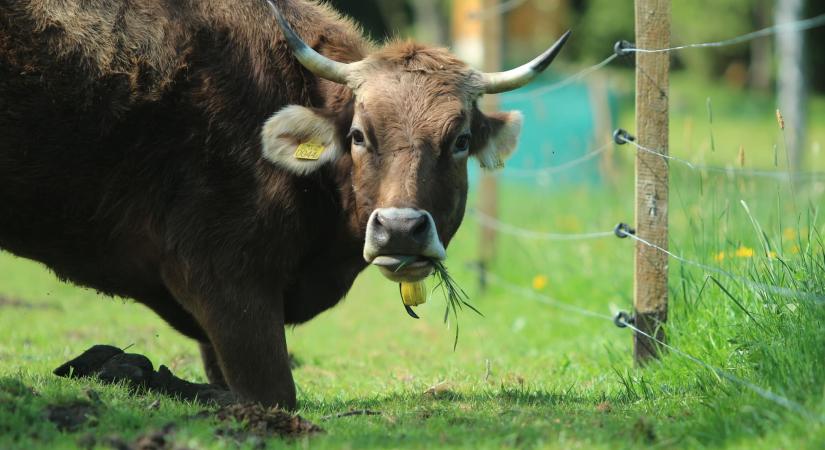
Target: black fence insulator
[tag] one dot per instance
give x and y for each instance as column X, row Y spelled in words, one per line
column 623, row 47
column 621, row 136
column 622, row 319
column 622, row 230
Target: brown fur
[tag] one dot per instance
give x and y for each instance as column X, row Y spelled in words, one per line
column 130, row 162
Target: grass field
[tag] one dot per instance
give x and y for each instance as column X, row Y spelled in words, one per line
column 528, row 374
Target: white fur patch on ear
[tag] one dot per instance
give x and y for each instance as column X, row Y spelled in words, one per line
column 502, row 142
column 295, row 125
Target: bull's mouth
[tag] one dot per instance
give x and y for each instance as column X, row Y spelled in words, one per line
column 406, row 268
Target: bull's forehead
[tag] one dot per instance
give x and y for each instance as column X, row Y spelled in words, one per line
column 406, row 67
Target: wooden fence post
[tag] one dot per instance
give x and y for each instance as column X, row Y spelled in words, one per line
column 652, row 86
column 477, row 40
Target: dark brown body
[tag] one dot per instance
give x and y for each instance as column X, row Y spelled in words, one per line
column 148, row 149
column 130, row 163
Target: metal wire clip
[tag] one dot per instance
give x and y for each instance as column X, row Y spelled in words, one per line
column 623, row 48
column 621, row 136
column 622, row 230
column 622, row 319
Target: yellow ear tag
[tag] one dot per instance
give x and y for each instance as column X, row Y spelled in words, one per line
column 413, row 294
column 310, row 150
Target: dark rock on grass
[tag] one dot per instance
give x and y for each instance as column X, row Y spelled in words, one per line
column 135, row 369
column 89, row 362
column 257, row 420
column 111, row 365
column 71, row 416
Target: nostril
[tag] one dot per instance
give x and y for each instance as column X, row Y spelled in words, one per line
column 377, row 222
column 421, row 229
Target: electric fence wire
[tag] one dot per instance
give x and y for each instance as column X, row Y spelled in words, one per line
column 777, row 174
column 753, row 285
column 485, row 220
column 538, row 92
column 506, row 228
column 732, row 171
column 799, row 25
column 513, row 230
column 544, row 171
column 547, row 300
column 539, row 297
column 642, row 148
column 758, row 390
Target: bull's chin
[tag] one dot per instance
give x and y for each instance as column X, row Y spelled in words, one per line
column 403, row 268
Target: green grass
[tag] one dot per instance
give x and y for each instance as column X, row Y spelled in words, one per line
column 526, row 374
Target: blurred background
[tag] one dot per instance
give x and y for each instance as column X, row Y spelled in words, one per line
column 543, row 367
column 741, row 82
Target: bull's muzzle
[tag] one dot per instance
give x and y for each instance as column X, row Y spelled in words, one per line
column 402, row 242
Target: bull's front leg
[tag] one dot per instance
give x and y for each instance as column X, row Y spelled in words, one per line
column 249, row 342
column 245, row 328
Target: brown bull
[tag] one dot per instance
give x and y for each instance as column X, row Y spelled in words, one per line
column 208, row 163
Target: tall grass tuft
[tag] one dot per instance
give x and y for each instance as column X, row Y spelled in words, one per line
column 455, row 297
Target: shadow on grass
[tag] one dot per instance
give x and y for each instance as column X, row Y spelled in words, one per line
column 491, row 416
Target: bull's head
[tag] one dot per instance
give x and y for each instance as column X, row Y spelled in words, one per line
column 413, row 124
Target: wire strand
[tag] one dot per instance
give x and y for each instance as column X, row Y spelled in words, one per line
column 655, row 152
column 800, row 25
column 506, row 228
column 544, row 171
column 532, row 95
column 758, row 390
column 541, row 298
column 731, row 171
column 785, row 292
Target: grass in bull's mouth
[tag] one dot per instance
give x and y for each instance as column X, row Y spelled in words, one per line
column 455, row 297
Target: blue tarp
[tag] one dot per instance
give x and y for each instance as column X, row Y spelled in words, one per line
column 559, row 126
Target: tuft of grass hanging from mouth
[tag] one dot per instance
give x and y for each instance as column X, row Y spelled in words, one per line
column 456, row 298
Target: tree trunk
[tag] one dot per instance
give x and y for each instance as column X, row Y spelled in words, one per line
column 760, row 67
column 394, row 16
column 791, row 91
column 430, row 22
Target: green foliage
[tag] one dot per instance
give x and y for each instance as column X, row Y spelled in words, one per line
column 526, row 374
column 604, row 22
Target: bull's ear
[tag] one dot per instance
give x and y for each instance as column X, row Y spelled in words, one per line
column 299, row 139
column 501, row 130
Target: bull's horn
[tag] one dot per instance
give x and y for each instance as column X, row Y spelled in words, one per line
column 498, row 82
column 313, row 61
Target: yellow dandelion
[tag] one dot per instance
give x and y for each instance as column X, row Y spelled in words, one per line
column 795, row 249
column 789, row 234
column 539, row 282
column 719, row 257
column 744, row 252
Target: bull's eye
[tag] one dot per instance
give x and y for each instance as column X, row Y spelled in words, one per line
column 357, row 137
column 462, row 143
